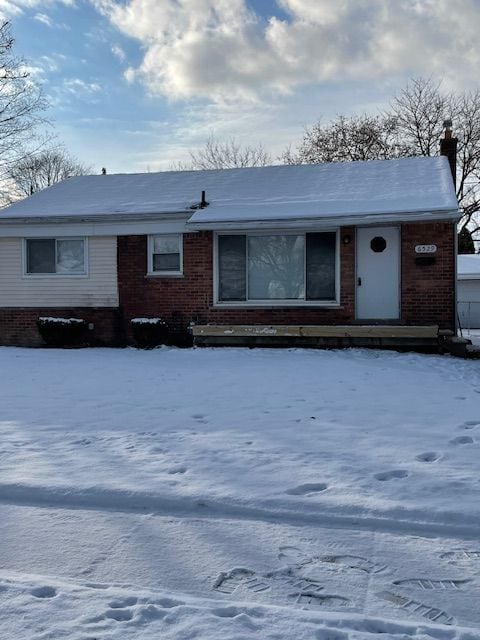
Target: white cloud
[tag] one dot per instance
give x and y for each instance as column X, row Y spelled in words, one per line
column 118, row 52
column 12, row 8
column 79, row 88
column 222, row 51
column 42, row 17
column 129, row 75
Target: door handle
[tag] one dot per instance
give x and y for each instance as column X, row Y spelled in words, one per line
column 359, row 282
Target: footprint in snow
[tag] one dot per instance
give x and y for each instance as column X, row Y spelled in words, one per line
column 43, row 592
column 175, row 470
column 391, row 475
column 462, row 440
column 428, row 456
column 470, row 424
column 125, row 602
column 307, row 489
column 199, row 417
column 83, row 441
column 120, row 615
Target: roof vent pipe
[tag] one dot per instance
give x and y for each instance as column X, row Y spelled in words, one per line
column 203, row 202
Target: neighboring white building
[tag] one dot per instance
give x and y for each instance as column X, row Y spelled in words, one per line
column 468, row 292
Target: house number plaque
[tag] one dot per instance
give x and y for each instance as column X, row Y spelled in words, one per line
column 426, row 248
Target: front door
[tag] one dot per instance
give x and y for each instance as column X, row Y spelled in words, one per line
column 378, row 273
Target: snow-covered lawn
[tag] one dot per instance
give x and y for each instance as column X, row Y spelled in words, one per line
column 238, row 494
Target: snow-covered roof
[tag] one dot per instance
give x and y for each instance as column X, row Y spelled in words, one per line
column 468, row 266
column 276, row 193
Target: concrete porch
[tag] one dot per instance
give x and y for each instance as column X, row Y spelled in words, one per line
column 422, row 338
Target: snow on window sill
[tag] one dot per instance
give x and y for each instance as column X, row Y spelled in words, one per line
column 164, row 274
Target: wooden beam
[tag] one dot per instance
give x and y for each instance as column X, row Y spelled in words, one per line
column 318, row 331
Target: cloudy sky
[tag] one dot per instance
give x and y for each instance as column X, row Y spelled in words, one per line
column 134, row 84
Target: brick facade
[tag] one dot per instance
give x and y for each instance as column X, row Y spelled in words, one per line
column 427, row 291
column 190, row 298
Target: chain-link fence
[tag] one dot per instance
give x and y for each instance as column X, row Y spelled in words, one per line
column 468, row 315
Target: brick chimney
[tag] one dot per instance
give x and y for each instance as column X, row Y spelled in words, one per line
column 448, row 147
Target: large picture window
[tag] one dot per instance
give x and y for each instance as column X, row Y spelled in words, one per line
column 55, row 256
column 277, row 267
column 165, row 254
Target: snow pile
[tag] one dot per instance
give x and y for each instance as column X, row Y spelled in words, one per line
column 63, row 321
column 148, row 321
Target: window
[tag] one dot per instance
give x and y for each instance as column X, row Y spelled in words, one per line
column 52, row 256
column 292, row 268
column 165, row 254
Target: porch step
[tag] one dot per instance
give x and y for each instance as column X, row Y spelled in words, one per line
column 473, row 351
column 458, row 346
column 317, row 331
column 420, row 338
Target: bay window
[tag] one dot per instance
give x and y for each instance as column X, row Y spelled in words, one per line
column 271, row 268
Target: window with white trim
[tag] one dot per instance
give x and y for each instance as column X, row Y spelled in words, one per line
column 165, row 254
column 270, row 268
column 55, row 256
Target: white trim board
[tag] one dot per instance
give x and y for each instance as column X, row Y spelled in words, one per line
column 71, row 229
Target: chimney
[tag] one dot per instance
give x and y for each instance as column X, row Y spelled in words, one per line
column 448, row 147
column 104, row 171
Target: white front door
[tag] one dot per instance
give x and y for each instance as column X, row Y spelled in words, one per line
column 378, row 273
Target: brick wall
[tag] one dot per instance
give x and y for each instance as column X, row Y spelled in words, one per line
column 428, row 291
column 18, row 327
column 191, row 297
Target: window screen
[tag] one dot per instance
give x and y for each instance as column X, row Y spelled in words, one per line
column 320, row 266
column 166, row 253
column 276, row 267
column 232, row 256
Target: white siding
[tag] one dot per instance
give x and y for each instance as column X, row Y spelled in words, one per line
column 468, row 296
column 98, row 289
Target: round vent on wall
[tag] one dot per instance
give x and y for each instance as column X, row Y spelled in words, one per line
column 378, row 244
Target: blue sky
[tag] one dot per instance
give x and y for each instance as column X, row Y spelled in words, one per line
column 135, row 84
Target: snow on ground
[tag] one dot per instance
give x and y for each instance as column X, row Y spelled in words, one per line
column 238, row 494
column 473, row 335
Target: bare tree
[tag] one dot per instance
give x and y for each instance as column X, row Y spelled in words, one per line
column 419, row 111
column 42, row 170
column 21, row 103
column 226, row 155
column 346, row 139
column 412, row 126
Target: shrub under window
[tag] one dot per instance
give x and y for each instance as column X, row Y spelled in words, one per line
column 55, row 256
column 290, row 267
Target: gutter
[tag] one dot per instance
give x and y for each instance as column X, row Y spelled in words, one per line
column 96, row 218
column 451, row 215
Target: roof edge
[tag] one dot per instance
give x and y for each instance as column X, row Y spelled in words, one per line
column 99, row 217
column 451, row 215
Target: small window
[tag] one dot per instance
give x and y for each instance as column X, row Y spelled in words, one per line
column 52, row 256
column 165, row 254
column 378, row 244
